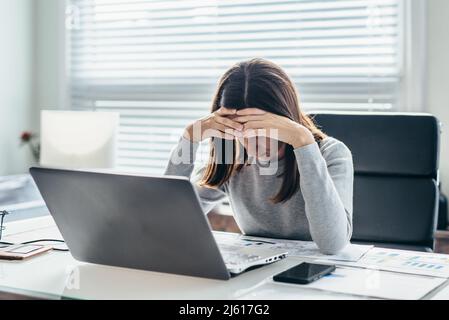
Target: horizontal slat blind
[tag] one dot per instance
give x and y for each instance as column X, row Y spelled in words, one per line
column 157, row 62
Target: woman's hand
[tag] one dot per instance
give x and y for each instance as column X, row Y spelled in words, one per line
column 259, row 123
column 218, row 124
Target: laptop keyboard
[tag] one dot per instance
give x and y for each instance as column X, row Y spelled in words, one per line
column 233, row 257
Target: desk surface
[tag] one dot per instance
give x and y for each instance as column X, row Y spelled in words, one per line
column 58, row 275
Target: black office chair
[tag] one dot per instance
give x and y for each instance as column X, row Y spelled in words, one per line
column 396, row 175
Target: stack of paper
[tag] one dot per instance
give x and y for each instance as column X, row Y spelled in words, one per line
column 304, row 249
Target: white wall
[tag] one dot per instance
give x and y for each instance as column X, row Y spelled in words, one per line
column 49, row 58
column 30, row 73
column 438, row 76
column 16, row 83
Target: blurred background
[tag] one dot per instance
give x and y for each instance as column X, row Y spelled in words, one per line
column 157, row 63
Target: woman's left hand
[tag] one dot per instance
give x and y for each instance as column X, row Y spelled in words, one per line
column 257, row 122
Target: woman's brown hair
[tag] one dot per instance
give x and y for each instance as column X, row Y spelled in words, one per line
column 257, row 83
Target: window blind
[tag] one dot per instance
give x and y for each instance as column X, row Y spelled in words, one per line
column 158, row 62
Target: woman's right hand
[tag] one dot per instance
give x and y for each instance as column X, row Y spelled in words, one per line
column 218, row 124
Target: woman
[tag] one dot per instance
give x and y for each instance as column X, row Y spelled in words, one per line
column 256, row 112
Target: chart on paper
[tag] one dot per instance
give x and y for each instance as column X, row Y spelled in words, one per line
column 430, row 264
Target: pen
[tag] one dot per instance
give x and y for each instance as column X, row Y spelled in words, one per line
column 258, row 241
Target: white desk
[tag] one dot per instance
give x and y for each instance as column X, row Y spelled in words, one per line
column 58, row 275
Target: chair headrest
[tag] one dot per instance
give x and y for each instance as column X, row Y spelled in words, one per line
column 386, row 143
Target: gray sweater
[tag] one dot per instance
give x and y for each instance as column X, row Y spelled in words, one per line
column 321, row 210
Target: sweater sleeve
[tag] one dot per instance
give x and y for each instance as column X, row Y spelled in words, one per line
column 182, row 163
column 326, row 182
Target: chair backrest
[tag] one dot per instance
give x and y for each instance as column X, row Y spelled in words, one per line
column 396, row 172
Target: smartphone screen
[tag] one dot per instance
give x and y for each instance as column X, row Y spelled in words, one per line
column 304, row 273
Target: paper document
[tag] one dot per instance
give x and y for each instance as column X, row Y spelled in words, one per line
column 275, row 291
column 295, row 248
column 357, row 282
column 443, row 294
column 423, row 263
column 378, row 284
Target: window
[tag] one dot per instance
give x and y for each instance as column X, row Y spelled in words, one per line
column 157, row 62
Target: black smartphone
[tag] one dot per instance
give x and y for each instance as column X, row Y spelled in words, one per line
column 304, row 273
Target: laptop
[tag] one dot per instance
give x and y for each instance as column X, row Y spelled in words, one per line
column 141, row 222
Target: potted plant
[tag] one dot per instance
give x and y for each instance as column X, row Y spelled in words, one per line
column 31, row 139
